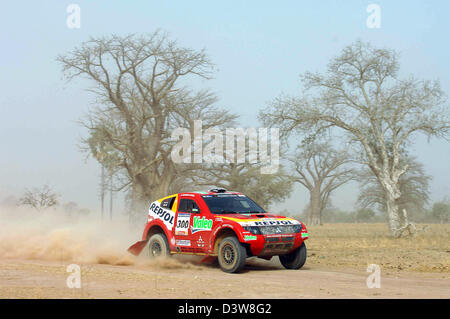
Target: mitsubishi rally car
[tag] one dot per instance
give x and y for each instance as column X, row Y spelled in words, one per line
column 221, row 225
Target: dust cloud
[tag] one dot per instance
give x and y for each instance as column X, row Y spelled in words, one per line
column 53, row 236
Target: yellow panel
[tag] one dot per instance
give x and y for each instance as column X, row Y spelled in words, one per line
column 174, row 203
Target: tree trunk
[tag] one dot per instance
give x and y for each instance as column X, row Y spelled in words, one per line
column 392, row 195
column 393, row 214
column 102, row 190
column 314, row 217
column 110, row 196
column 138, row 207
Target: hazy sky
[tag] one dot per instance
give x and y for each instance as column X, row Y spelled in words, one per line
column 259, row 48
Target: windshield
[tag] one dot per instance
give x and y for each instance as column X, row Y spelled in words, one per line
column 231, row 204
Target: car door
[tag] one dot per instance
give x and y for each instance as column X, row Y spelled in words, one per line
column 192, row 229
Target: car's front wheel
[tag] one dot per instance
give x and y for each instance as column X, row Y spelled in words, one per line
column 158, row 246
column 232, row 255
column 295, row 259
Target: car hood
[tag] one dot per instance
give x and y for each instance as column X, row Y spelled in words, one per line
column 244, row 218
column 249, row 216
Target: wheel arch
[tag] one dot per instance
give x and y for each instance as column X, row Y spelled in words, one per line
column 221, row 235
column 152, row 229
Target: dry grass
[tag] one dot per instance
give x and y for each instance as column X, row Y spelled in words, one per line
column 357, row 245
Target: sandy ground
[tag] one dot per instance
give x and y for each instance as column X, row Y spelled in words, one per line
column 35, row 251
column 178, row 278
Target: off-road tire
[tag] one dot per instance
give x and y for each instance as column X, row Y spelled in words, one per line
column 231, row 255
column 295, row 259
column 158, row 246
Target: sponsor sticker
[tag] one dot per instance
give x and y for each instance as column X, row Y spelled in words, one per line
column 249, row 237
column 183, row 242
column 183, row 222
column 270, row 222
column 273, row 222
column 200, row 242
column 305, row 235
column 157, row 212
column 201, row 224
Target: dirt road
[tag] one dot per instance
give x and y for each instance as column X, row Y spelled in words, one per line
column 181, row 278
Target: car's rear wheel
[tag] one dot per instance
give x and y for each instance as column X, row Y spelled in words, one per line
column 295, row 259
column 158, row 246
column 231, row 255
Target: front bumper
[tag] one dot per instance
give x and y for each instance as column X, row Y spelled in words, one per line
column 271, row 245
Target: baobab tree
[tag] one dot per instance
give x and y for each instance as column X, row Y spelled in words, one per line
column 265, row 189
column 139, row 83
column 246, row 173
column 361, row 96
column 321, row 170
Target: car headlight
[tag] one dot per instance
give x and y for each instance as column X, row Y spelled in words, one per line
column 297, row 228
column 253, row 229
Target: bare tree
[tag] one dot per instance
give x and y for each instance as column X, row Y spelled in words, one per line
column 321, row 170
column 441, row 211
column 362, row 96
column 265, row 189
column 140, row 86
column 413, row 184
column 245, row 172
column 73, row 210
column 39, row 198
column 70, row 208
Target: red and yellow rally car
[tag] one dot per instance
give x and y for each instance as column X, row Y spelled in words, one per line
column 221, row 224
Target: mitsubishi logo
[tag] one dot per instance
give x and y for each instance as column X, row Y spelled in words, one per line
column 200, row 242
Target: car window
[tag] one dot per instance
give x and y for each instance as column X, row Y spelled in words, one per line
column 168, row 202
column 225, row 204
column 188, row 206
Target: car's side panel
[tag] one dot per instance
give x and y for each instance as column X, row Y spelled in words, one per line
column 159, row 211
column 155, row 223
column 181, row 232
column 195, row 237
column 162, row 216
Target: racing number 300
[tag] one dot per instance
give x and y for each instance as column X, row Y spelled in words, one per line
column 183, row 224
